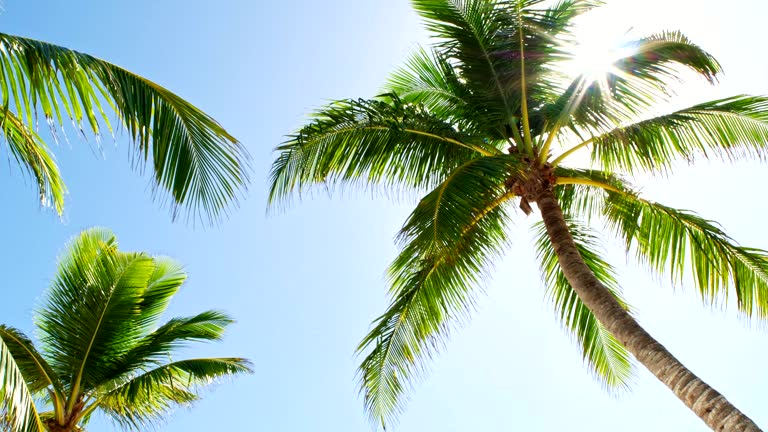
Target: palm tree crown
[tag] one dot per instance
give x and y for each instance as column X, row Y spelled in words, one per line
column 197, row 164
column 102, row 346
column 484, row 123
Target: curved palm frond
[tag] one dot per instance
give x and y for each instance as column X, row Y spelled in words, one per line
column 36, row 371
column 482, row 40
column 195, row 161
column 470, row 31
column 165, row 281
column 101, row 349
column 138, row 400
column 29, row 151
column 92, row 313
column 371, row 141
column 635, row 82
column 639, row 79
column 449, row 241
column 545, row 29
column 431, row 80
column 656, row 58
column 581, row 193
column 732, row 128
column 16, row 403
column 608, row 359
column 175, row 334
column 679, row 242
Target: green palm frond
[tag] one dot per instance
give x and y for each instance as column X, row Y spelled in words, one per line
column 29, row 151
column 732, row 128
column 175, row 334
column 370, row 142
column 36, row 371
column 656, row 59
column 581, row 107
column 608, row 359
column 679, row 242
column 102, row 348
column 145, row 408
column 635, row 82
column 449, row 241
column 638, row 80
column 138, row 400
column 676, row 242
column 16, row 402
column 195, row 161
column 430, row 79
column 93, row 312
column 162, row 285
column 586, row 199
column 482, row 40
column 471, row 33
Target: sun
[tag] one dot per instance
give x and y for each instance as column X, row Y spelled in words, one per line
column 594, row 57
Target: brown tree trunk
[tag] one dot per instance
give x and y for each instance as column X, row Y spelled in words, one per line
column 706, row 402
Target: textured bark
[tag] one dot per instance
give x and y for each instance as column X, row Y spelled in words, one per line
column 703, row 400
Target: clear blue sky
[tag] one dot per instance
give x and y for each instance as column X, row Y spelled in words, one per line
column 305, row 284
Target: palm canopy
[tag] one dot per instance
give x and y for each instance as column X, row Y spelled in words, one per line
column 103, row 346
column 197, row 164
column 480, row 121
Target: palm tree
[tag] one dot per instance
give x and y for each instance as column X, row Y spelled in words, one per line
column 196, row 164
column 102, row 345
column 485, row 123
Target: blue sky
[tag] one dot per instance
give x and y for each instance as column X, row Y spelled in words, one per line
column 304, row 284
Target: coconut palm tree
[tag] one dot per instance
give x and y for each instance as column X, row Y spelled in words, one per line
column 102, row 347
column 196, row 164
column 485, row 122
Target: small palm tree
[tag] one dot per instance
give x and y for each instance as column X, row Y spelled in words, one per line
column 483, row 124
column 102, row 347
column 195, row 162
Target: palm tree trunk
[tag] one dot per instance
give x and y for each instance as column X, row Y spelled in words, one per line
column 706, row 402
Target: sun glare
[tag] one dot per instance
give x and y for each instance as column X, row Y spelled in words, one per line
column 594, row 58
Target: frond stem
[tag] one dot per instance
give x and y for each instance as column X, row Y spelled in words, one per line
column 516, row 135
column 493, row 204
column 571, row 151
column 480, row 150
column 587, row 182
column 524, row 103
column 548, row 143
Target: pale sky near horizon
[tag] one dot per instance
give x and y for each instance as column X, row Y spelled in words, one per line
column 304, row 284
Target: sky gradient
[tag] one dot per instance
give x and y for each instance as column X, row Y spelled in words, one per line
column 305, row 283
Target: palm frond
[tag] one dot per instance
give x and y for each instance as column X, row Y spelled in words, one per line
column 195, row 161
column 370, row 142
column 175, row 334
column 470, row 31
column 36, row 371
column 137, row 401
column 481, row 40
column 92, row 314
column 732, row 128
column 585, row 200
column 634, row 83
column 449, row 242
column 29, row 151
column 656, row 59
column 431, row 80
column 608, row 359
column 162, row 285
column 16, row 401
column 679, row 243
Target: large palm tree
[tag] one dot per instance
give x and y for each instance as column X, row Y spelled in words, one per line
column 196, row 163
column 102, row 346
column 485, row 123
